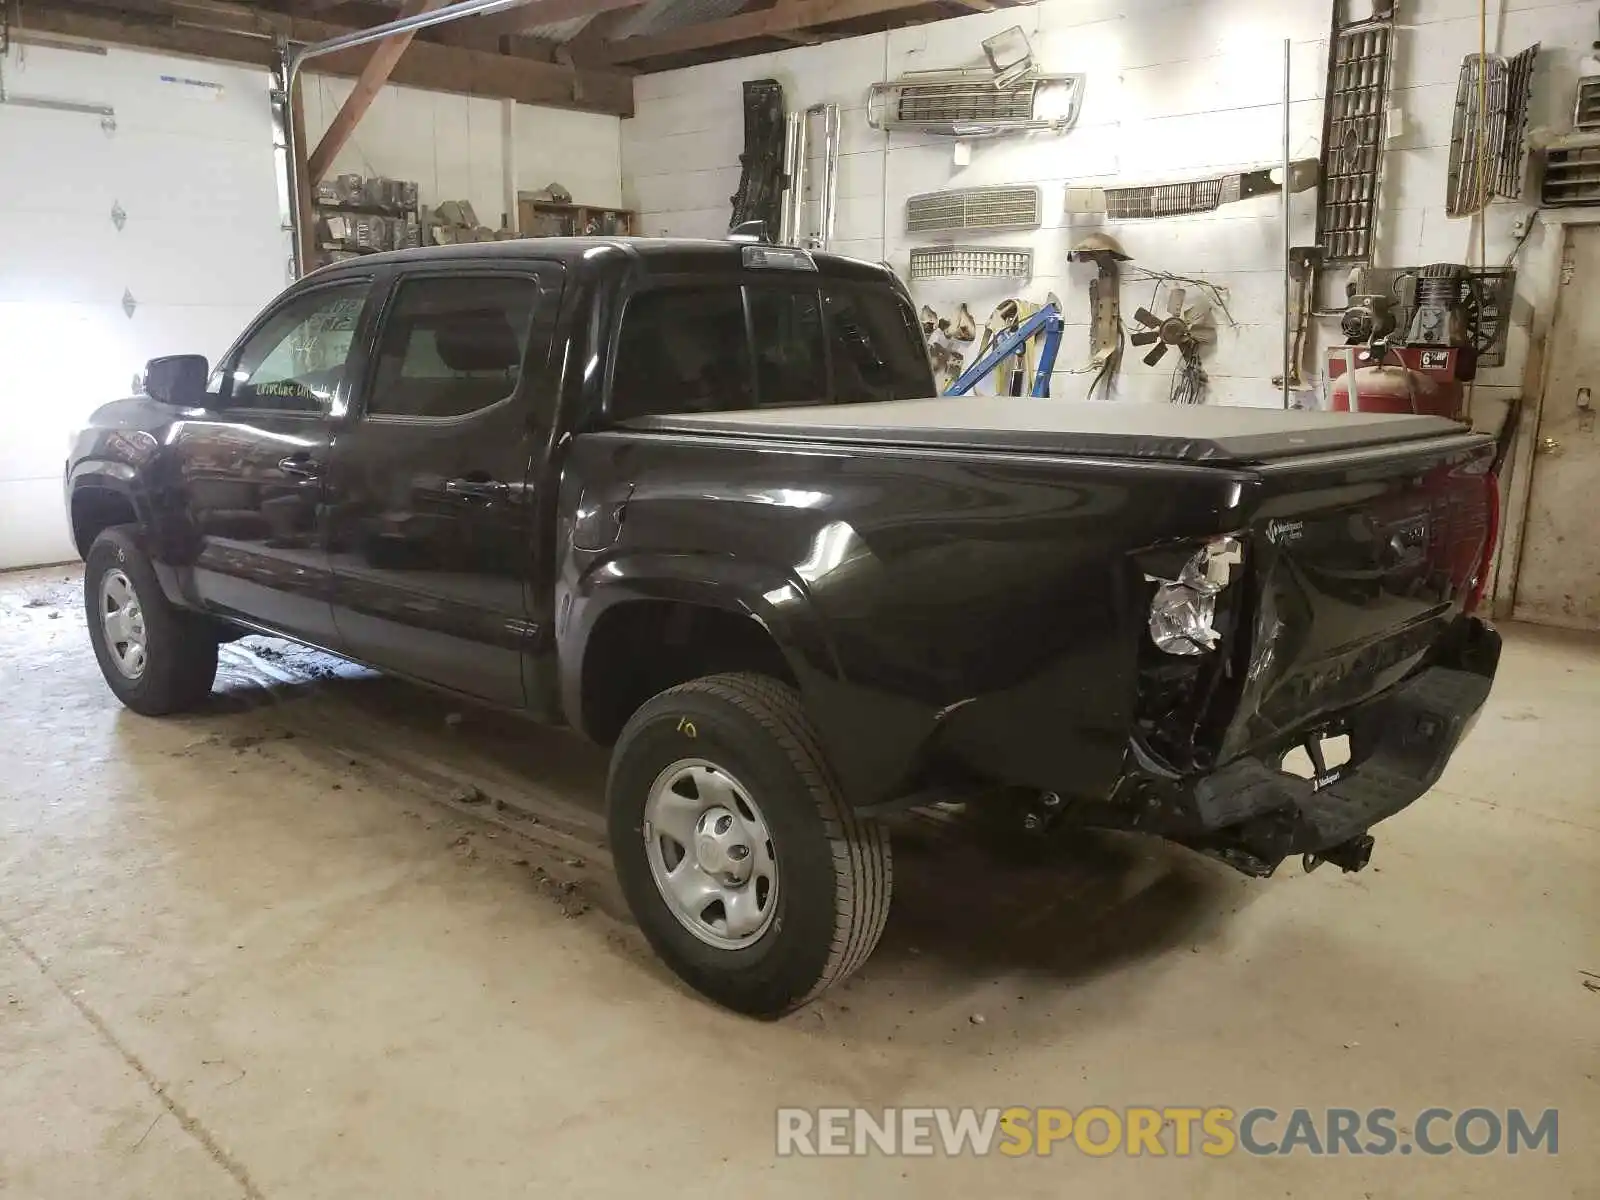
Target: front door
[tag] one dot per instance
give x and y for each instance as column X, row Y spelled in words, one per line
column 430, row 534
column 1558, row 582
column 250, row 467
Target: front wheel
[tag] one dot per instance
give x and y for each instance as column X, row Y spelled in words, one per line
column 745, row 868
column 156, row 657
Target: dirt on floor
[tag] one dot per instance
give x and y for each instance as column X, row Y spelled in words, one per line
column 334, row 936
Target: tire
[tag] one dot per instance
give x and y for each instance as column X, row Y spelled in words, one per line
column 180, row 648
column 833, row 869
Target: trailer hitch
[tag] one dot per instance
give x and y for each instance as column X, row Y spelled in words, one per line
column 1347, row 856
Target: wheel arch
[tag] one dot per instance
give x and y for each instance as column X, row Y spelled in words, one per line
column 708, row 614
column 98, row 500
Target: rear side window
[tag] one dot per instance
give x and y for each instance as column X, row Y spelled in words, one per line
column 791, row 363
column 877, row 348
column 452, row 345
column 682, row 350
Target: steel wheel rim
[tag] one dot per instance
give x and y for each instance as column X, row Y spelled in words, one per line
column 122, row 622
column 711, row 854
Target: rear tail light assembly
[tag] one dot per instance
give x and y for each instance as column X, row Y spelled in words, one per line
column 1183, row 611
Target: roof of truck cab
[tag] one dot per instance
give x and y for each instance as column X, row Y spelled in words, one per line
column 1202, row 433
column 656, row 256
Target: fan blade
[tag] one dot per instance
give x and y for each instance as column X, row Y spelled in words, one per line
column 1156, row 355
column 1145, row 317
column 1144, row 337
column 1199, row 315
column 1175, row 301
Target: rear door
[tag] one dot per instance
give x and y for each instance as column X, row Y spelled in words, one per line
column 250, row 469
column 429, row 492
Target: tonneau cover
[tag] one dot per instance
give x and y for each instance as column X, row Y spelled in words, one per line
column 1176, row 432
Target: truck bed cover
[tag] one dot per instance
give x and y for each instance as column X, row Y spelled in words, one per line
column 1217, row 434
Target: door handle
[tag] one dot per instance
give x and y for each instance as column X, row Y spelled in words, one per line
column 302, row 466
column 476, row 489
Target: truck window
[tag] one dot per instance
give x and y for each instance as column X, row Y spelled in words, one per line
column 682, row 350
column 295, row 361
column 452, row 345
column 877, row 347
column 791, row 363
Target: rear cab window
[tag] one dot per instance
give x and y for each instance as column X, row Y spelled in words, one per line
column 738, row 344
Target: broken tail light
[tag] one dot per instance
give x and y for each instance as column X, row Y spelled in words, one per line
column 1183, row 611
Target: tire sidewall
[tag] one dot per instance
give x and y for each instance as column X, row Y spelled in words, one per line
column 785, row 961
column 117, row 549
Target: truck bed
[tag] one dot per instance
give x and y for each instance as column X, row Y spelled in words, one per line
column 1221, row 435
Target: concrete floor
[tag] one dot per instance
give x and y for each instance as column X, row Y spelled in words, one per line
column 309, row 944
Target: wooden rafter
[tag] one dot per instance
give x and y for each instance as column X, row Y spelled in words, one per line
column 780, row 21
column 247, row 37
column 382, row 59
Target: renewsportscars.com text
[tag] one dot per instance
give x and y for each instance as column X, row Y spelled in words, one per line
column 1212, row 1132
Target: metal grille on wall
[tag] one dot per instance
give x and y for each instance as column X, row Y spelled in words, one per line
column 1163, row 199
column 991, row 208
column 971, row 262
column 1352, row 139
column 1488, row 134
column 1586, row 113
column 967, row 103
column 970, row 99
column 1572, row 170
column 1514, row 125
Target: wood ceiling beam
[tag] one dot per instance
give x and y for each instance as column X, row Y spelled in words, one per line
column 426, row 65
column 779, row 21
column 382, row 58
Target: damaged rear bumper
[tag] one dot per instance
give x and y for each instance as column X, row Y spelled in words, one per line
column 1252, row 814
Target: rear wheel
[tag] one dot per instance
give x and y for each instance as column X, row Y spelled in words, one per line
column 745, row 868
column 156, row 657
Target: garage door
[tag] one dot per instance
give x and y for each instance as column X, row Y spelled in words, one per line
column 154, row 231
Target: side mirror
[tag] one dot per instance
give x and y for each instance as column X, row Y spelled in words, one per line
column 178, row 379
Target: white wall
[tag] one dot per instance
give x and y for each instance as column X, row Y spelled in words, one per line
column 453, row 145
column 202, row 249
column 1173, row 89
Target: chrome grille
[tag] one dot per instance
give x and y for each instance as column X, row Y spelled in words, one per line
column 969, row 104
column 974, row 208
column 972, row 99
column 1352, row 139
column 1587, row 113
column 971, row 262
column 1168, row 199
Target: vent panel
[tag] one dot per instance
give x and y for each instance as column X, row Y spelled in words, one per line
column 1572, row 171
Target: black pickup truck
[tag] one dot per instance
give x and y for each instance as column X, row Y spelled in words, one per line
column 693, row 499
